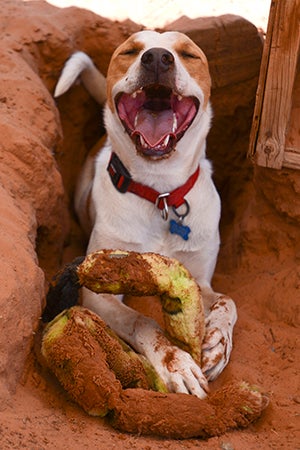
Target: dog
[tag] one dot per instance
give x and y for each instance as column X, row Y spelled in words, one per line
column 149, row 188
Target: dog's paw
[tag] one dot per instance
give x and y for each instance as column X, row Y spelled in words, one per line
column 175, row 367
column 179, row 371
column 217, row 344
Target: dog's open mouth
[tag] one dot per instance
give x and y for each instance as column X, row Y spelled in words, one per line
column 155, row 117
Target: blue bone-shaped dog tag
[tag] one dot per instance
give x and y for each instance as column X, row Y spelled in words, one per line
column 182, row 230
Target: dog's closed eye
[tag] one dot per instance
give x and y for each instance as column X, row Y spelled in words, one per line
column 188, row 55
column 130, row 51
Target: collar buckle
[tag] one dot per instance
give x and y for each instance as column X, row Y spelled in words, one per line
column 164, row 211
column 118, row 173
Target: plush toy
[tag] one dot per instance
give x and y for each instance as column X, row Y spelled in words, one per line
column 107, row 378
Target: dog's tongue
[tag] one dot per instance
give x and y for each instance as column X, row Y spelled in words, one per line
column 154, row 126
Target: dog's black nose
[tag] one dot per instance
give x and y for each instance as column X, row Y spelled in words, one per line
column 157, row 60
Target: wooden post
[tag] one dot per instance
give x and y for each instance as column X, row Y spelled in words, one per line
column 275, row 134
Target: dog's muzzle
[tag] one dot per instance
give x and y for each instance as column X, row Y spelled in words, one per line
column 156, row 116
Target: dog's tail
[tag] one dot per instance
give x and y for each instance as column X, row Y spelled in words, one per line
column 63, row 291
column 81, row 65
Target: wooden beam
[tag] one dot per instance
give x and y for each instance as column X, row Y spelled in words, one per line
column 276, row 85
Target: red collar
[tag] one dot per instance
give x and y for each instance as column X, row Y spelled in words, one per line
column 123, row 182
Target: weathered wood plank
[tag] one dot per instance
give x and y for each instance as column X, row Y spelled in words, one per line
column 291, row 159
column 262, row 83
column 292, row 144
column 275, row 95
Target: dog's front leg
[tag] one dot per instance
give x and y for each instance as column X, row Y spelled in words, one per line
column 217, row 345
column 176, row 367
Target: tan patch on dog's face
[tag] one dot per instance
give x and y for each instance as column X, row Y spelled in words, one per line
column 195, row 62
column 123, row 57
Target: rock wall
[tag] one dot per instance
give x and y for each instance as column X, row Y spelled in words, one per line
column 31, row 194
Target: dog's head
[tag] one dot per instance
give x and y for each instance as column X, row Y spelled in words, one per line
column 158, row 85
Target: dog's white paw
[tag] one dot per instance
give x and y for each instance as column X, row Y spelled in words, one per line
column 176, row 368
column 217, row 344
column 179, row 371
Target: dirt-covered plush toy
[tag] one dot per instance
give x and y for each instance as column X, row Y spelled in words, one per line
column 140, row 274
column 106, row 378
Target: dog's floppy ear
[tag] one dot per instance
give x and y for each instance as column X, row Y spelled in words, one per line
column 64, row 290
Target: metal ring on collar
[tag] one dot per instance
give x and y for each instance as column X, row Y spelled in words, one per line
column 182, row 216
column 165, row 211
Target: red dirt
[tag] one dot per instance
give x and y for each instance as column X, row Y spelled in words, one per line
column 259, row 263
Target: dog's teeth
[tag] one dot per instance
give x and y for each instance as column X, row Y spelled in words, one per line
column 174, row 128
column 143, row 142
column 136, row 120
column 135, row 93
column 179, row 97
column 166, row 140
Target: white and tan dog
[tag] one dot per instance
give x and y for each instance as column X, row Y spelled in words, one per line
column 149, row 189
